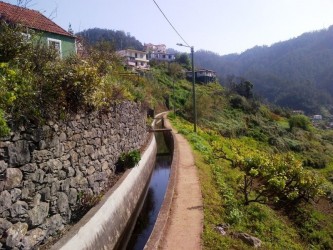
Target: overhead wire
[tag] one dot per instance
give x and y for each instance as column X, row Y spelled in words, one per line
column 171, row 24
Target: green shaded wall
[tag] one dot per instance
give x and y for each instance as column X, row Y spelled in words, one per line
column 67, row 43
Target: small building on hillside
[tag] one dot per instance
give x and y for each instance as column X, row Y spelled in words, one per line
column 298, row 112
column 317, row 117
column 161, row 57
column 49, row 32
column 134, row 59
column 160, row 48
column 158, row 53
column 202, row 75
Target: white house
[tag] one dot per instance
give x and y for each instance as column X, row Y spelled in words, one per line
column 160, row 48
column 161, row 57
column 134, row 59
column 317, row 117
column 158, row 52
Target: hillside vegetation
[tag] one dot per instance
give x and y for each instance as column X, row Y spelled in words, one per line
column 36, row 85
column 117, row 38
column 295, row 73
column 263, row 170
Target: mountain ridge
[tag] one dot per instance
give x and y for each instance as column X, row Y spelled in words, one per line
column 279, row 71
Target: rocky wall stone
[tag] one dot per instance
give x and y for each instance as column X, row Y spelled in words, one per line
column 45, row 170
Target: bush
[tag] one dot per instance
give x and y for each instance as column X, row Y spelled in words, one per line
column 283, row 179
column 277, row 142
column 299, row 121
column 271, row 178
column 316, row 160
column 239, row 102
column 4, row 129
column 130, row 159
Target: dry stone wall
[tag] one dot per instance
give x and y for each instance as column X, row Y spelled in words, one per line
column 44, row 171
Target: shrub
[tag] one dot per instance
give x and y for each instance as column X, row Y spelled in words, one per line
column 272, row 178
column 295, row 145
column 130, row 159
column 283, row 179
column 84, row 203
column 278, row 142
column 316, row 160
column 299, row 121
column 239, row 102
column 4, row 129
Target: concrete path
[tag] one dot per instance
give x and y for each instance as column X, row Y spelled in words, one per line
column 185, row 223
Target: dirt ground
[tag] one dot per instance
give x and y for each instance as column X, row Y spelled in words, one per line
column 185, row 222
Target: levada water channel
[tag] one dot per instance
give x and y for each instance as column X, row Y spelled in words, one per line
column 153, row 201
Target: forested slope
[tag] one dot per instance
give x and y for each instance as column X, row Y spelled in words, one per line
column 118, row 38
column 296, row 73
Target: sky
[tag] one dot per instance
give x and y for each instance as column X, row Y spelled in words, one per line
column 221, row 26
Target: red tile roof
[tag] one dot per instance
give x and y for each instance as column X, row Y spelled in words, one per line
column 29, row 18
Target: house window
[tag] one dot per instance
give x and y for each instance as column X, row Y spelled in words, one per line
column 55, row 44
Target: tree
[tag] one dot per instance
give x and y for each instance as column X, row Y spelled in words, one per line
column 243, row 88
column 275, row 179
column 11, row 35
column 175, row 70
column 119, row 39
column 183, row 59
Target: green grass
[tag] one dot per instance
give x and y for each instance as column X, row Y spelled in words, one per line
column 250, row 129
column 284, row 123
column 222, row 203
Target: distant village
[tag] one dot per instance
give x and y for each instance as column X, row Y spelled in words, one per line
column 138, row 61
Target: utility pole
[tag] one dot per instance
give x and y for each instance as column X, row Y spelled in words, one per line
column 193, row 91
column 193, row 87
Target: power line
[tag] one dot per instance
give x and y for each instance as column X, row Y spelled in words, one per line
column 171, row 24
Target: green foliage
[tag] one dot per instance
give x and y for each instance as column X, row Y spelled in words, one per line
column 248, row 105
column 314, row 227
column 130, row 159
column 223, row 204
column 4, row 129
column 299, row 121
column 263, row 154
column 316, row 160
column 238, row 102
column 184, row 60
column 175, row 70
column 11, row 35
column 119, row 39
column 84, row 203
column 243, row 88
column 295, row 73
column 35, row 85
column 272, row 178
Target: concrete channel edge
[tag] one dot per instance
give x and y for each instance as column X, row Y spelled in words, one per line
column 103, row 225
column 162, row 219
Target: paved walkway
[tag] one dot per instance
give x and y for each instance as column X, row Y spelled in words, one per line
column 185, row 222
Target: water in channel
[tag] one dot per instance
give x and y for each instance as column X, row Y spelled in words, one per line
column 155, row 195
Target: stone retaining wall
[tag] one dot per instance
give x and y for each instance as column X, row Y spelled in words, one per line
column 106, row 226
column 44, row 172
